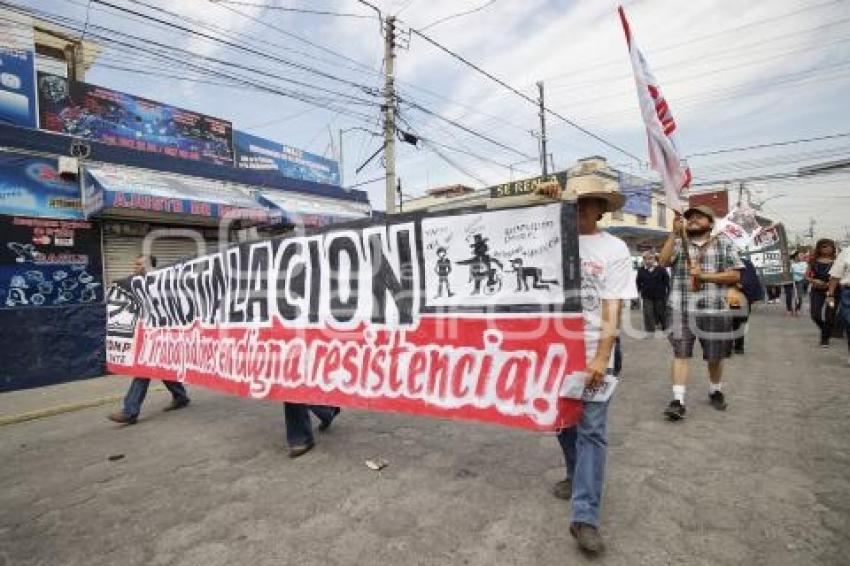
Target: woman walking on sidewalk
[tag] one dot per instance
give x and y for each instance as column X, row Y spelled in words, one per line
column 817, row 275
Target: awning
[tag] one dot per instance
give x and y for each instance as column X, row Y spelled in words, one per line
column 314, row 212
column 111, row 190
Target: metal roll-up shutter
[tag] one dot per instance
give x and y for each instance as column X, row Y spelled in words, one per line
column 120, row 252
column 172, row 250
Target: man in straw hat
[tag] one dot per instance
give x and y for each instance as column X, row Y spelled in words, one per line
column 704, row 268
column 607, row 281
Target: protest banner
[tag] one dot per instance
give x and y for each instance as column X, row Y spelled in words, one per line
column 471, row 314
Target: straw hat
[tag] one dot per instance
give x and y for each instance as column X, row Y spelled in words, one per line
column 594, row 186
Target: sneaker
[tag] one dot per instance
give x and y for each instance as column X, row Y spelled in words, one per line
column 675, row 411
column 717, row 400
column 588, row 538
column 563, row 489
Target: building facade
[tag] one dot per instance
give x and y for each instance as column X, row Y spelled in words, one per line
column 91, row 178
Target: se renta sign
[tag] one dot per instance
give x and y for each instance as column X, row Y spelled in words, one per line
column 467, row 315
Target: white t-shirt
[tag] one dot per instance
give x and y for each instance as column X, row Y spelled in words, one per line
column 606, row 273
column 841, row 268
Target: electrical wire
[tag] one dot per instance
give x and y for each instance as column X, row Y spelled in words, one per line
column 466, row 129
column 295, row 10
column 458, row 15
column 241, row 47
column 767, row 145
column 525, row 96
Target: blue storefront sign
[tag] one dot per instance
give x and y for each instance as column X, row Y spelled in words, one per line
column 117, row 118
column 17, row 75
column 257, row 153
column 32, row 186
column 638, row 193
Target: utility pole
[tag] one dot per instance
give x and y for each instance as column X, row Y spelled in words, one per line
column 389, row 114
column 543, row 153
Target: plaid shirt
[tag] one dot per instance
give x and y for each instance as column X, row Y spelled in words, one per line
column 718, row 254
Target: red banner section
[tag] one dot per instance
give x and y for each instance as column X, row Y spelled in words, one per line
column 471, row 314
column 503, row 370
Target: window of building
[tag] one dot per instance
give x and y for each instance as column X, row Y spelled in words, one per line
column 641, row 220
column 662, row 215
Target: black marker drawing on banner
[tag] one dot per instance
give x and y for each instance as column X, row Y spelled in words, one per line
column 481, row 270
column 497, row 248
column 523, row 274
column 443, row 269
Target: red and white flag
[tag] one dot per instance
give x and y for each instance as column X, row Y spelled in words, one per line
column 664, row 154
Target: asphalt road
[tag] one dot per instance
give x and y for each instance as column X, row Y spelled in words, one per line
column 767, row 482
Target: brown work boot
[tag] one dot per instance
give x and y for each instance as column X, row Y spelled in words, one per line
column 121, row 417
column 296, row 451
column 588, row 538
column 563, row 489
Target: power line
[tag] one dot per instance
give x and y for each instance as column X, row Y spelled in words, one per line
column 369, row 182
column 457, row 149
column 301, row 39
column 233, row 34
column 768, row 177
column 772, row 144
column 458, row 15
column 295, row 10
column 135, row 48
column 592, row 65
column 524, row 96
column 465, row 128
column 366, row 89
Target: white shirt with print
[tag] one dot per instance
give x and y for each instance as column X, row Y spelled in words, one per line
column 606, row 273
column 841, row 268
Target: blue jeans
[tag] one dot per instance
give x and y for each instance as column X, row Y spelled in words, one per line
column 139, row 388
column 585, row 448
column 299, row 429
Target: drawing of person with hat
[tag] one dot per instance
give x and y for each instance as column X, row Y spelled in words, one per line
column 481, row 266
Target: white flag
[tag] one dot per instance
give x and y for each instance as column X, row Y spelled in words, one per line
column 664, row 155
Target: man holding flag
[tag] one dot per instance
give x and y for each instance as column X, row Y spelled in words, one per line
column 704, row 267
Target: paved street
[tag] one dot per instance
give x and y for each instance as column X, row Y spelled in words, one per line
column 768, row 482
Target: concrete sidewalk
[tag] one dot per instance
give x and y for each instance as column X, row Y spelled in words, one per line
column 42, row 402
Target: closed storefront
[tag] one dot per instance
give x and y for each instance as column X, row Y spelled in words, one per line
column 124, row 241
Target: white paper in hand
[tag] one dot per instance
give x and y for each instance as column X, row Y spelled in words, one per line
column 603, row 392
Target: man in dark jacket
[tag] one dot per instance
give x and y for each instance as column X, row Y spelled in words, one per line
column 752, row 288
column 653, row 283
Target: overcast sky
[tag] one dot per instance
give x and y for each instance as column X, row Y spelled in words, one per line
column 735, row 74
